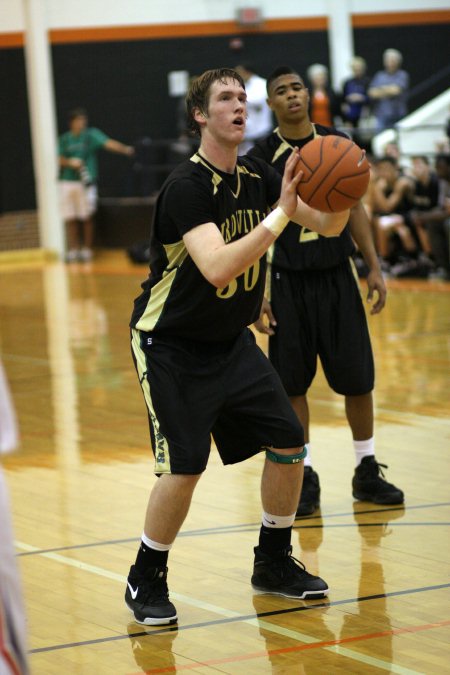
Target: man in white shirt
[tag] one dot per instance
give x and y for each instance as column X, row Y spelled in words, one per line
column 259, row 115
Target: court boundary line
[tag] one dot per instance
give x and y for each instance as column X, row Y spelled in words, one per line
column 232, row 616
column 250, row 527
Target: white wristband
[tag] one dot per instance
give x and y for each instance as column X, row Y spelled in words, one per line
column 276, row 221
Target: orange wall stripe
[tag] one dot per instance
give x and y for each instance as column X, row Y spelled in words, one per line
column 400, row 18
column 203, row 29
column 11, row 40
column 215, row 28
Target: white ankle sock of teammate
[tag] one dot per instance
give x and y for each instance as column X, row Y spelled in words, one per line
column 307, row 461
column 154, row 544
column 277, row 522
column 364, row 449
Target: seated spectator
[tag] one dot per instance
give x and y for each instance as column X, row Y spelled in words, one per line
column 392, row 149
column 391, row 192
column 424, row 198
column 434, row 219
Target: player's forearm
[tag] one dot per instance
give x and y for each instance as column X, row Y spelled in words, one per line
column 220, row 262
column 362, row 234
column 231, row 260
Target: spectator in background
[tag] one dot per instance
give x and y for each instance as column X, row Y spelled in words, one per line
column 355, row 98
column 259, row 115
column 391, row 192
column 435, row 220
column 323, row 102
column 78, row 149
column 391, row 149
column 424, row 199
column 389, row 91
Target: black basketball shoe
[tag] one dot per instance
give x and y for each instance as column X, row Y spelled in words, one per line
column 148, row 597
column 369, row 485
column 310, row 496
column 284, row 575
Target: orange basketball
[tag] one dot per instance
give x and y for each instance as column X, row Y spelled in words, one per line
column 335, row 173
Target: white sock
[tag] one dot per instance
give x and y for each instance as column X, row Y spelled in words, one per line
column 307, row 460
column 364, row 449
column 277, row 522
column 154, row 544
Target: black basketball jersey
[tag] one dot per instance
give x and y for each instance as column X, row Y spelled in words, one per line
column 177, row 300
column 300, row 248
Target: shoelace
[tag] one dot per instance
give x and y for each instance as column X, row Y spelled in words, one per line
column 156, row 589
column 380, row 470
column 288, row 565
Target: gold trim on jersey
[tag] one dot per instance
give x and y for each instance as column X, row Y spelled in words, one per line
column 305, row 234
column 285, row 145
column 176, row 254
column 216, row 178
column 161, row 448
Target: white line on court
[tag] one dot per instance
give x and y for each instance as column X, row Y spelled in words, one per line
column 221, row 611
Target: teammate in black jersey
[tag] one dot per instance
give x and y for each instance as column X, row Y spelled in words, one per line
column 198, row 364
column 317, row 306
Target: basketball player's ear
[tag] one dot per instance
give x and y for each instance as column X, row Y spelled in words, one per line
column 269, row 102
column 200, row 117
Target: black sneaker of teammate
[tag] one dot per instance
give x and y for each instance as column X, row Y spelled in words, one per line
column 284, row 575
column 310, row 496
column 369, row 485
column 148, row 597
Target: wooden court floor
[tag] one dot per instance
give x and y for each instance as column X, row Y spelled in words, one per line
column 80, row 480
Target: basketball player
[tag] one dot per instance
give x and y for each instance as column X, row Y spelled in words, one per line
column 316, row 308
column 198, row 364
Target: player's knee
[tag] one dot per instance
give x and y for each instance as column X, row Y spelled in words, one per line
column 279, row 457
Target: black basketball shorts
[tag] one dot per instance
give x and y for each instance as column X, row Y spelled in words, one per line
column 320, row 313
column 194, row 390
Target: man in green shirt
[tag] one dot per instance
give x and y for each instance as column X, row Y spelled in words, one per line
column 78, row 164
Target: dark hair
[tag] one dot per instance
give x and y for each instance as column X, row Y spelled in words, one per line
column 278, row 72
column 388, row 159
column 443, row 157
column 76, row 112
column 199, row 91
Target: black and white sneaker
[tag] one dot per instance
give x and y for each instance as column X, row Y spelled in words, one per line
column 285, row 575
column 369, row 485
column 148, row 597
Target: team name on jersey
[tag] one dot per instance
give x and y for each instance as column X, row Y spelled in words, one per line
column 240, row 222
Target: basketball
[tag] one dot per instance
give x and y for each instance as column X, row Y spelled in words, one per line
column 335, row 173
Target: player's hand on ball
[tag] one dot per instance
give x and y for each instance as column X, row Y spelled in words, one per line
column 289, row 187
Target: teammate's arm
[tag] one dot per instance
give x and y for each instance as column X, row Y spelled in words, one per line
column 362, row 234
